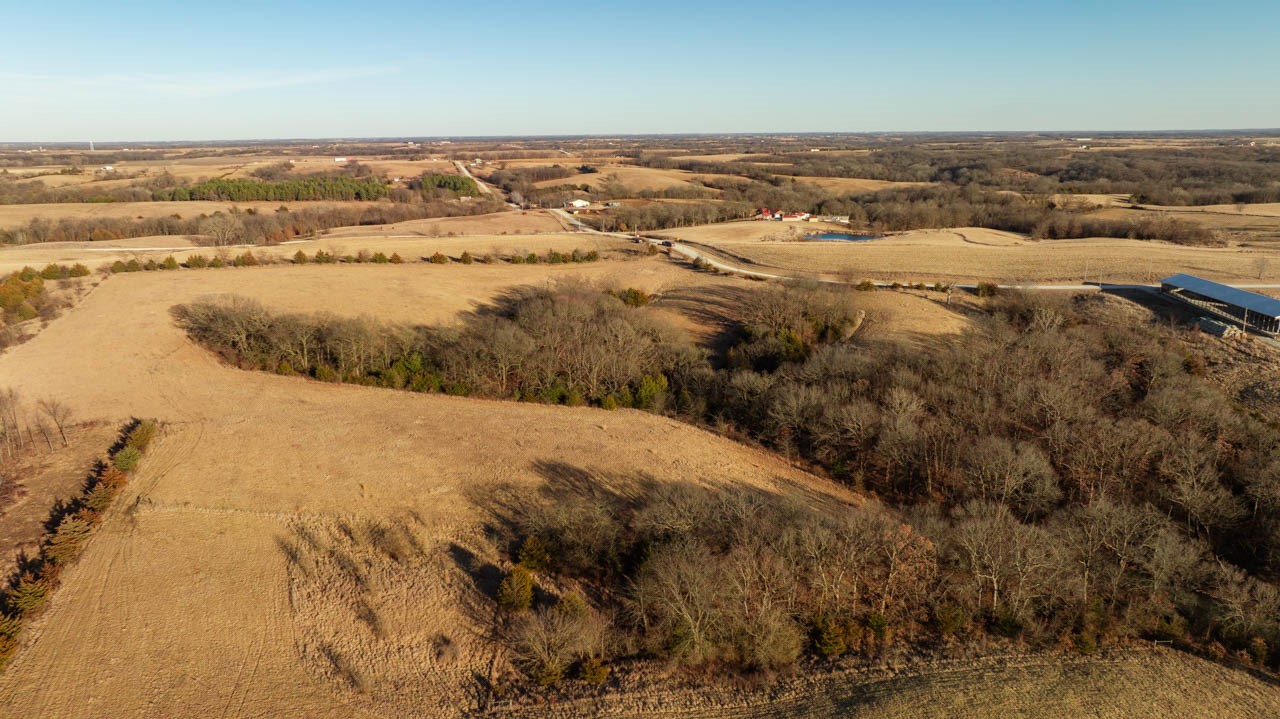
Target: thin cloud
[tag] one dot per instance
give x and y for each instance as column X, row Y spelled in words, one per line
column 189, row 85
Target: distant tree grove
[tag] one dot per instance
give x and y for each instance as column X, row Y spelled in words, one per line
column 240, row 226
column 303, row 189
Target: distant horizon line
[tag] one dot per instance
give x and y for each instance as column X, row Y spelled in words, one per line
column 587, row 136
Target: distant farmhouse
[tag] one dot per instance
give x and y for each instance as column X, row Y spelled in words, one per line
column 764, row 213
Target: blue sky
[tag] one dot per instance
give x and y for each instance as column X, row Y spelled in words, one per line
column 237, row 70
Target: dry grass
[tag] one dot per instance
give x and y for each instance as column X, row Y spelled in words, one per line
column 1149, row 684
column 855, row 185
column 501, row 223
column 292, row 547
column 721, row 157
column 16, row 215
column 1252, row 223
column 194, row 600
column 976, row 254
column 202, row 168
column 415, row 239
column 636, row 178
column 412, row 248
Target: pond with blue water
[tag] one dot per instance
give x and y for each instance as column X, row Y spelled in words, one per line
column 841, row 237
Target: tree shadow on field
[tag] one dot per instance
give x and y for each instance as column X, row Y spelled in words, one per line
column 715, row 308
column 486, row 576
column 509, row 503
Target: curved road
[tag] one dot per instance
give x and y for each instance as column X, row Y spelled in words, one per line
column 692, row 254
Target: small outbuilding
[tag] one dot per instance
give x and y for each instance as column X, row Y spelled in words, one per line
column 1248, row 310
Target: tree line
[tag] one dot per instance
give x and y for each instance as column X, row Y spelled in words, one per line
column 302, row 189
column 1169, row 176
column 570, row 345
column 240, row 226
column 935, row 207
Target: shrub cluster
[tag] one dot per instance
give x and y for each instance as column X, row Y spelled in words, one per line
column 727, row 577
column 22, row 293
column 572, row 345
column 633, row 297
column 70, row 524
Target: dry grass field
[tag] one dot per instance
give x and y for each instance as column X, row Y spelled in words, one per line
column 298, row 548
column 210, row 593
column 16, row 215
column 637, row 178
column 1247, row 224
column 1152, row 684
column 202, row 168
column 412, row 247
column 501, row 223
column 855, row 185
column 501, row 233
column 978, row 254
column 656, row 179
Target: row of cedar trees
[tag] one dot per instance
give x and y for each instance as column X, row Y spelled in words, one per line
column 35, row 578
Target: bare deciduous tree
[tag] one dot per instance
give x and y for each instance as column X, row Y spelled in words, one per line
column 58, row 413
column 223, row 229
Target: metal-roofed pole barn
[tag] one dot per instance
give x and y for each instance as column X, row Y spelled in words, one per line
column 1250, row 310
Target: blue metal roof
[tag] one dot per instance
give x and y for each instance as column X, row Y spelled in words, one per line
column 1252, row 301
